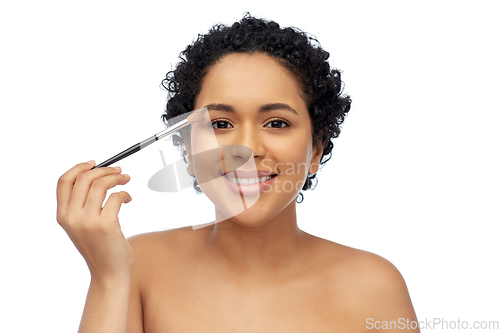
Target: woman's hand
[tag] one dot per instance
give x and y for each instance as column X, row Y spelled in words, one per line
column 94, row 229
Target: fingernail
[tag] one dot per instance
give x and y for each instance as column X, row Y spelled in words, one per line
column 118, row 168
column 90, row 162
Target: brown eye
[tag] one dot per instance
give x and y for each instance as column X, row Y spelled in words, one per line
column 278, row 123
column 221, row 124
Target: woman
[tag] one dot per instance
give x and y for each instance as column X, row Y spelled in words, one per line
column 271, row 90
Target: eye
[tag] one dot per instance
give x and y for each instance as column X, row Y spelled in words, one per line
column 220, row 124
column 278, row 123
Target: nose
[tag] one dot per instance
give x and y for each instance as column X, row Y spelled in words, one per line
column 247, row 140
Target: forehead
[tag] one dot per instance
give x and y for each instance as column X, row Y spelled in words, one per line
column 251, row 79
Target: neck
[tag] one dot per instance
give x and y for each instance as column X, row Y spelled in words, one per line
column 258, row 252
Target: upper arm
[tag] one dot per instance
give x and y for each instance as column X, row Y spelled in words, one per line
column 386, row 301
column 135, row 317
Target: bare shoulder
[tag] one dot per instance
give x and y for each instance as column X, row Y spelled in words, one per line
column 167, row 248
column 146, row 241
column 368, row 284
column 368, row 270
column 357, row 264
column 162, row 244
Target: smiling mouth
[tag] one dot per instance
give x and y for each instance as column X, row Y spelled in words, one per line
column 247, row 181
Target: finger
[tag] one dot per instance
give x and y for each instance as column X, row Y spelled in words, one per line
column 65, row 185
column 98, row 191
column 113, row 205
column 84, row 181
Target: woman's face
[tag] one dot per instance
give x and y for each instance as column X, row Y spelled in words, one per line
column 257, row 103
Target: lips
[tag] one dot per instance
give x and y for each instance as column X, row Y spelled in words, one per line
column 247, row 181
column 242, row 186
column 239, row 173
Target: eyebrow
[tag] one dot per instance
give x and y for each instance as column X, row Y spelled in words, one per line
column 264, row 108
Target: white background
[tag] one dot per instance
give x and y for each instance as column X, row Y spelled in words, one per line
column 413, row 176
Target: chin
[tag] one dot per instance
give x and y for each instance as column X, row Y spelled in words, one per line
column 258, row 214
column 249, row 218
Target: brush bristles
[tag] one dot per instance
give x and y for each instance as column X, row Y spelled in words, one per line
column 196, row 116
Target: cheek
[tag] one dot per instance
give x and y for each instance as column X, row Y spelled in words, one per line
column 293, row 154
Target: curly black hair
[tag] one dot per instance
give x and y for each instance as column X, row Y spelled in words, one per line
column 291, row 47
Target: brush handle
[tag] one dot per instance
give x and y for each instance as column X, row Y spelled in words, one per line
column 127, row 152
column 135, row 148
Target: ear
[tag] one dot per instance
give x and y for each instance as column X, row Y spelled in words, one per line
column 317, row 154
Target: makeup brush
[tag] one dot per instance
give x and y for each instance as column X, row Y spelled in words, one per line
column 196, row 116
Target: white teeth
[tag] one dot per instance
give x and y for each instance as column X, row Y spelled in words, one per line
column 248, row 181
